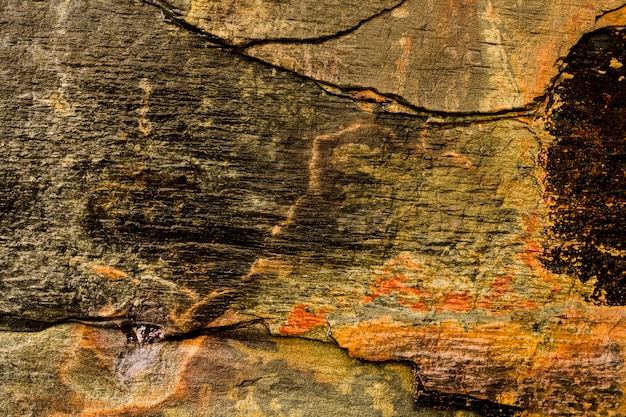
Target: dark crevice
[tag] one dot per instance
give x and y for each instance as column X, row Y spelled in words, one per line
column 444, row 401
column 442, row 117
column 171, row 14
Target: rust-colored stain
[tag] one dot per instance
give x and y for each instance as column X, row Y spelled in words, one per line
column 390, row 281
column 456, row 301
column 532, row 250
column 394, row 280
column 501, row 285
column 110, row 273
column 302, row 319
column 401, row 63
column 392, row 284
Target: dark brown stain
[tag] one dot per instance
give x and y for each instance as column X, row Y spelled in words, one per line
column 586, row 167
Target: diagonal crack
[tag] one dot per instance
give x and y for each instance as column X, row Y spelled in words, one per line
column 325, row 38
column 609, row 11
column 173, row 14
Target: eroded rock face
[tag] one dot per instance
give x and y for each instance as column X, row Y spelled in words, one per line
column 72, row 370
column 472, row 56
column 241, row 23
column 142, row 172
column 159, row 182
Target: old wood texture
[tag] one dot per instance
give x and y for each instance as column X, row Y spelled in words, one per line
column 216, row 208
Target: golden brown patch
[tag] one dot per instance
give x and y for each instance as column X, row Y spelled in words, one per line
column 108, row 272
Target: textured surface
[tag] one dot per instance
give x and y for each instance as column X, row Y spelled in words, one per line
column 252, row 21
column 74, row 370
column 587, row 166
column 469, row 56
column 142, row 172
column 179, row 197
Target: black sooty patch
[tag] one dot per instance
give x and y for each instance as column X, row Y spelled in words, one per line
column 586, row 167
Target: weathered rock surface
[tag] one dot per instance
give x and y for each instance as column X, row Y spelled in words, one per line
column 471, row 56
column 245, row 22
column 162, row 184
column 72, row 370
column 142, row 172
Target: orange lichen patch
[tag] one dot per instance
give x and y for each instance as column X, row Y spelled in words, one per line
column 419, row 306
column 302, row 319
column 404, row 260
column 456, row 301
column 530, row 254
column 392, row 280
column 108, row 272
column 501, row 285
column 531, row 223
column 386, row 286
column 532, row 249
column 501, row 299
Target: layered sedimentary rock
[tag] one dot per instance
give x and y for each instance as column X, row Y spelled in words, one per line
column 397, row 180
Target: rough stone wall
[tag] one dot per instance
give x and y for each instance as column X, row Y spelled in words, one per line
column 398, row 208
